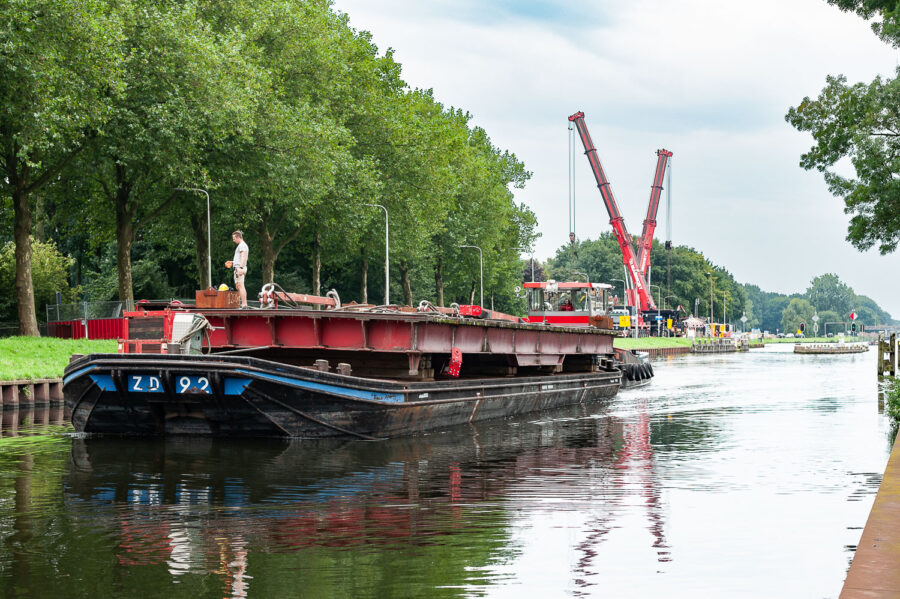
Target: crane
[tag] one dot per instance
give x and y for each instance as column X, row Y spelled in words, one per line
column 643, row 254
column 639, row 295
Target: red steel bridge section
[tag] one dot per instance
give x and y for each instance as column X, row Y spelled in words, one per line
column 353, row 336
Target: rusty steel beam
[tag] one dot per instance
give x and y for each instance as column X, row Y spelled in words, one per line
column 399, row 332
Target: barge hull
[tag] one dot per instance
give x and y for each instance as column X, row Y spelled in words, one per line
column 243, row 396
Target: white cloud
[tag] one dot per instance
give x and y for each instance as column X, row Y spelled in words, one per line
column 710, row 81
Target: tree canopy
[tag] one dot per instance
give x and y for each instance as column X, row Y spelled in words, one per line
column 115, row 114
column 859, row 123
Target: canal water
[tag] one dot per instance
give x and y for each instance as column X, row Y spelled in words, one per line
column 734, row 475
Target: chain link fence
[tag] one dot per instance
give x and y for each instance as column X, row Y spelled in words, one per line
column 84, row 310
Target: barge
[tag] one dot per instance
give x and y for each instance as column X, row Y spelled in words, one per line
column 308, row 367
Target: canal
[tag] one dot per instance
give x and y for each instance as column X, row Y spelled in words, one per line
column 732, row 475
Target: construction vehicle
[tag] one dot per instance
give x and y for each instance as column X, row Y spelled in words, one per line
column 636, row 264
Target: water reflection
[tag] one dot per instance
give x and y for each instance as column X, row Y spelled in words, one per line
column 438, row 505
column 28, row 419
column 714, row 478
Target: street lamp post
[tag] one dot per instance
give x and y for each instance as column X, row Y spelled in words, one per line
column 481, row 267
column 208, row 235
column 584, row 274
column 387, row 252
column 710, row 296
column 667, row 297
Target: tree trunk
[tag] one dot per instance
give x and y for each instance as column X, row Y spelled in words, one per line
column 439, row 282
column 124, row 241
column 22, row 236
column 317, row 264
column 201, row 248
column 364, row 282
column 125, row 211
column 267, row 252
column 404, row 280
column 472, row 294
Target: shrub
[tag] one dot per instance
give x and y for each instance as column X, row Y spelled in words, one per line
column 49, row 274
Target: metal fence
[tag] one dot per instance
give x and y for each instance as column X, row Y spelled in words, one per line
column 84, row 311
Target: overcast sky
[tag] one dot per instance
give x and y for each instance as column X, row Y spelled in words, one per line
column 709, row 80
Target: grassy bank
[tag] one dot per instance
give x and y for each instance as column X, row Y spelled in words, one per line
column 43, row 357
column 651, row 342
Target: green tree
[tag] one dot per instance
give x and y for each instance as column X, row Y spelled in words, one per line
column 50, row 274
column 828, row 292
column 888, row 11
column 878, row 315
column 859, row 122
column 61, row 71
column 797, row 311
column 179, row 73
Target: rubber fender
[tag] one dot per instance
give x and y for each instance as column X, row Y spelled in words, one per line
column 638, row 375
column 650, row 369
column 629, row 372
column 642, row 374
column 645, row 368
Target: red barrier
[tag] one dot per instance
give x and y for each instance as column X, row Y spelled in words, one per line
column 98, row 328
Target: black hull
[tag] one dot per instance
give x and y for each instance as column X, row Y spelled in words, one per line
column 243, row 396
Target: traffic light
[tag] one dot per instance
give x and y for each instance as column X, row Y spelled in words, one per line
column 852, row 327
column 802, row 326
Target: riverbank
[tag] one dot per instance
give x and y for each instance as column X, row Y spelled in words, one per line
column 874, row 571
column 29, row 358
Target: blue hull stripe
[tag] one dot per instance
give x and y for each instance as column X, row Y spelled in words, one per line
column 235, row 386
column 77, row 373
column 345, row 391
column 104, row 381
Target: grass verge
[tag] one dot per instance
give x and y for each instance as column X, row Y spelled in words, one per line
column 650, row 342
column 44, row 357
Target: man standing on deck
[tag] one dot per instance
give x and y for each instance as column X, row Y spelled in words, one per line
column 241, row 252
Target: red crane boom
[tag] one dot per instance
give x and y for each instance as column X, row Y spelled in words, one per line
column 643, row 254
column 644, row 299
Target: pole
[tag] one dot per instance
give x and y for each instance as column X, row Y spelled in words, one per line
column 481, row 268
column 669, row 227
column 710, row 297
column 208, row 232
column 387, row 260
